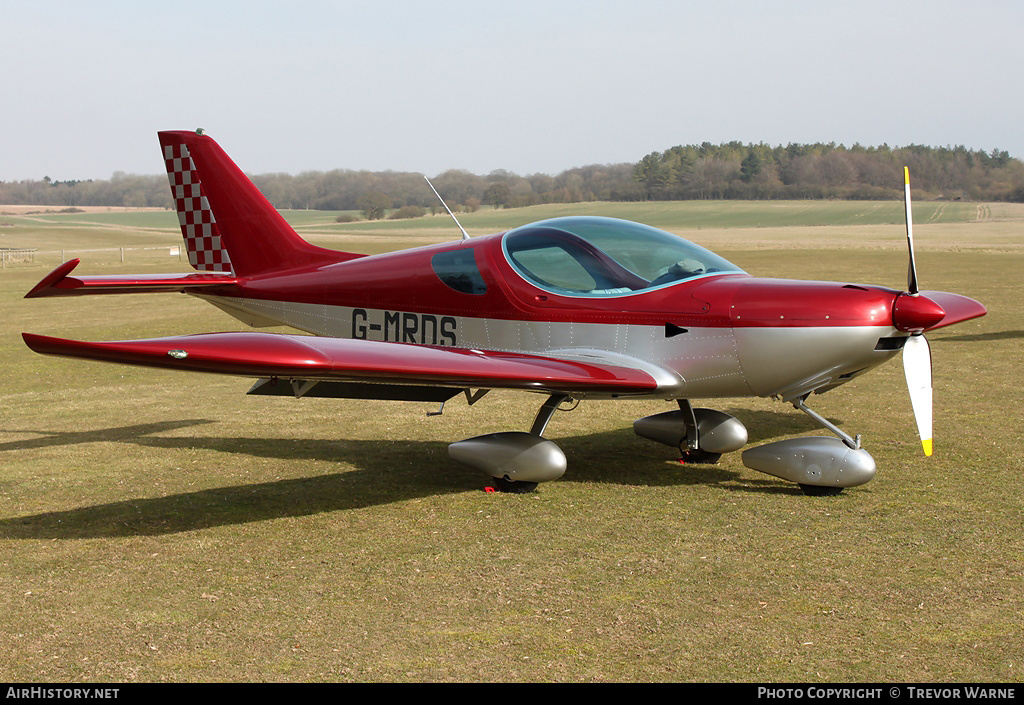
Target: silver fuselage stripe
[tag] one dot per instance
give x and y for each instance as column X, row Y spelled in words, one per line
column 710, row 362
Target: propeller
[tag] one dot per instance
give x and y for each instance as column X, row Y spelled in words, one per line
column 917, row 365
column 917, row 356
column 912, row 267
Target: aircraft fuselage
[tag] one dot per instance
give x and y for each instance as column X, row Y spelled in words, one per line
column 720, row 335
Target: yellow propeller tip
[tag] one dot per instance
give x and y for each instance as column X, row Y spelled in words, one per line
column 906, row 175
column 927, row 445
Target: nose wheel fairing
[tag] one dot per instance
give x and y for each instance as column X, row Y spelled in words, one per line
column 819, row 464
column 817, row 461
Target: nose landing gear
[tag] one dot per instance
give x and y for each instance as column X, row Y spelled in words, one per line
column 821, row 465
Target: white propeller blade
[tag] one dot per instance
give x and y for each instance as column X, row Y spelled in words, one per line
column 917, row 364
column 912, row 267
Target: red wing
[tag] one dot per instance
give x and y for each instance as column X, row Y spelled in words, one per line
column 309, row 357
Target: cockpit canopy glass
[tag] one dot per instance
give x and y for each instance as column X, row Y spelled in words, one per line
column 592, row 256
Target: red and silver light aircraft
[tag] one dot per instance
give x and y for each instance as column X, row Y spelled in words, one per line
column 579, row 307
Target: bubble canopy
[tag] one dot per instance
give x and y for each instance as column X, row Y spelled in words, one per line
column 594, row 256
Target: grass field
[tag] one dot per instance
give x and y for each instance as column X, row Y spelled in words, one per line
column 157, row 526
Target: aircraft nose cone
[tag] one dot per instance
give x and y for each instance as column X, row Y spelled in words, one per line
column 914, row 314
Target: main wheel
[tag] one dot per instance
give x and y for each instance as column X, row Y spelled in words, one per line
column 820, row 490
column 503, row 484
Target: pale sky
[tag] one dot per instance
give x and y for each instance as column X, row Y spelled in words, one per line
column 527, row 86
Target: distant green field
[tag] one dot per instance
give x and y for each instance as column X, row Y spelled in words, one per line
column 672, row 215
column 98, row 236
column 123, row 218
column 692, row 215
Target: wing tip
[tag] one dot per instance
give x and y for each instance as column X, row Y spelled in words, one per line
column 47, row 286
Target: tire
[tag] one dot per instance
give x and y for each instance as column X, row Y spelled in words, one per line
column 820, row 490
column 503, row 484
column 701, row 457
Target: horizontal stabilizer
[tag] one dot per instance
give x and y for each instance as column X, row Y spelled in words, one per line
column 310, row 357
column 59, row 283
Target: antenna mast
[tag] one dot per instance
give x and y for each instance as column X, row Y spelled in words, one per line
column 465, row 235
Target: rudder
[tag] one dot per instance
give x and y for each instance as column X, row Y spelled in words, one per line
column 227, row 224
column 198, row 226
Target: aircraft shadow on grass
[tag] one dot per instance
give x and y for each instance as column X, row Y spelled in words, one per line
column 981, row 337
column 386, row 471
column 117, row 434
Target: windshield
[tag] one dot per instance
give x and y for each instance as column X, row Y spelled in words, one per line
column 593, row 256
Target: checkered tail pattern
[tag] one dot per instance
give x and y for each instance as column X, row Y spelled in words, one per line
column 198, row 226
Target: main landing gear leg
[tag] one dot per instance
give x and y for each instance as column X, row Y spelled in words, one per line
column 689, row 448
column 540, row 423
column 701, row 435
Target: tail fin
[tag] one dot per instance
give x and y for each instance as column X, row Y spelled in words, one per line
column 227, row 224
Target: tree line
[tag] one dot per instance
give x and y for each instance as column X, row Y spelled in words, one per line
column 725, row 171
column 815, row 171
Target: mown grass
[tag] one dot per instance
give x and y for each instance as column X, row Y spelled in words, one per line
column 165, row 527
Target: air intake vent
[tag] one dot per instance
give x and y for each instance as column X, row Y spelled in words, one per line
column 896, row 343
